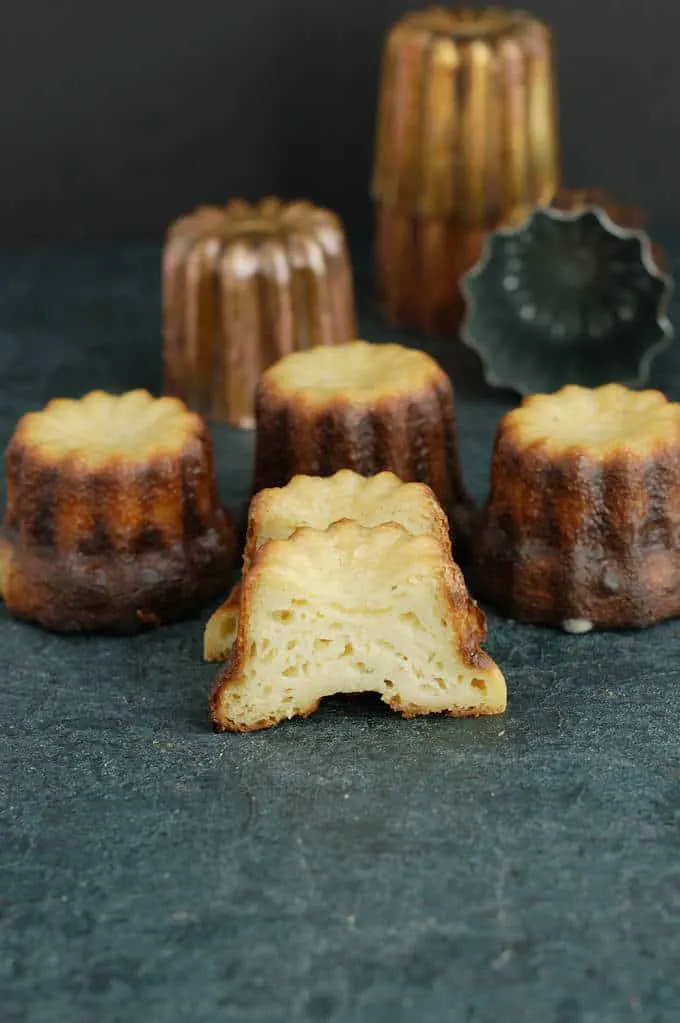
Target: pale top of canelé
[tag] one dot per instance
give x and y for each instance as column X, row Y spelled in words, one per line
column 102, row 427
column 600, row 421
column 317, row 502
column 357, row 372
column 379, row 553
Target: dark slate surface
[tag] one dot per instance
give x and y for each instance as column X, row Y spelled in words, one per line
column 353, row 867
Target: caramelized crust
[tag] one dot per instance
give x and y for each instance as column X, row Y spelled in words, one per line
column 582, row 525
column 112, row 519
column 365, row 407
column 353, row 609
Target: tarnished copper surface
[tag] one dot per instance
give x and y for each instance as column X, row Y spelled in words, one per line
column 466, row 141
column 244, row 285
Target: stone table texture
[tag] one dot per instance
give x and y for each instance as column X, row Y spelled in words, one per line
column 351, row 867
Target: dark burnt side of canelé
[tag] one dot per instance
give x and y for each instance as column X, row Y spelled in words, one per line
column 415, row 438
column 78, row 563
column 571, row 537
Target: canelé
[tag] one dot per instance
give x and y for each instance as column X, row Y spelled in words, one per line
column 112, row 520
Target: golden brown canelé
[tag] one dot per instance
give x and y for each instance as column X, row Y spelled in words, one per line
column 467, row 141
column 361, row 406
column 244, row 285
column 582, row 525
column 112, row 519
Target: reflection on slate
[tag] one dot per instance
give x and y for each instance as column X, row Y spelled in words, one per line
column 352, row 868
column 566, row 298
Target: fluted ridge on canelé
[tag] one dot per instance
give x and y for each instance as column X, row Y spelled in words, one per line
column 243, row 285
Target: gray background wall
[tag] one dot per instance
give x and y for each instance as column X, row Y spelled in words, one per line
column 116, row 117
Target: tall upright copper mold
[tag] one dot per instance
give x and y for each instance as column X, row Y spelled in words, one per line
column 244, row 285
column 466, row 141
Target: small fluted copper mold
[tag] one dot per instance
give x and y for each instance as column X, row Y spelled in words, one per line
column 466, row 141
column 244, row 285
column 568, row 297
